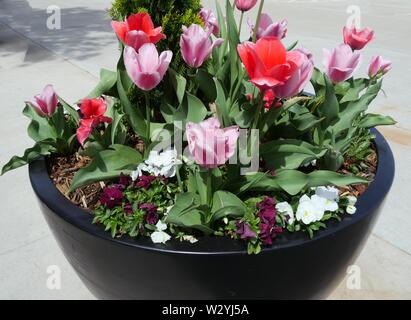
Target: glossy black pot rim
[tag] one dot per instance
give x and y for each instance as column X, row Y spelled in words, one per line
column 367, row 204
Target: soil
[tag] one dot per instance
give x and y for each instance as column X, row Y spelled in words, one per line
column 62, row 170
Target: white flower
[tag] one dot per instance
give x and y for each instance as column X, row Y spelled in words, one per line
column 351, row 210
column 352, row 201
column 168, row 209
column 325, row 204
column 158, row 164
column 159, row 236
column 190, row 239
column 308, row 211
column 285, row 208
column 329, row 193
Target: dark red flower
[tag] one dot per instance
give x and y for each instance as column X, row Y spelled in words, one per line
column 151, row 215
column 111, row 197
column 244, row 231
column 124, row 181
column 267, row 215
column 145, row 181
column 128, row 208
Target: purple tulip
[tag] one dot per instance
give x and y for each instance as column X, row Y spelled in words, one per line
column 209, row 144
column 145, row 68
column 269, row 28
column 297, row 82
column 379, row 66
column 210, row 20
column 196, row 45
column 341, row 63
column 45, row 103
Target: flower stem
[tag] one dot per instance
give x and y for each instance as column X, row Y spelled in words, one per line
column 209, row 187
column 241, row 24
column 180, row 183
column 148, row 117
column 257, row 23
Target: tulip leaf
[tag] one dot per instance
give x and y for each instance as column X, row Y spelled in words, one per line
column 188, row 212
column 42, row 148
column 227, row 204
column 289, row 154
column 71, row 111
column 292, row 181
column 196, row 111
column 106, row 85
column 107, row 164
column 374, row 120
column 179, row 84
column 221, row 104
column 39, row 128
column 330, row 108
column 204, row 79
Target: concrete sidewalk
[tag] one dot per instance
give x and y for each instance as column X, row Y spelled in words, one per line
column 32, row 56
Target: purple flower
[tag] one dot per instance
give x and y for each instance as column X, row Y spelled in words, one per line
column 267, row 215
column 145, row 181
column 151, row 215
column 244, row 230
column 111, row 197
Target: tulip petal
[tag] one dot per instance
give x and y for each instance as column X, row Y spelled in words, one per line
column 120, row 28
column 136, row 39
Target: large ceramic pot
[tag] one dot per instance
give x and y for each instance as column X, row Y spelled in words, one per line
column 295, row 267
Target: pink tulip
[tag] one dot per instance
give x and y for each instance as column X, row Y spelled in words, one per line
column 209, row 144
column 268, row 28
column 357, row 39
column 145, row 68
column 379, row 66
column 341, row 63
column 245, row 5
column 297, row 82
column 196, row 45
column 210, row 20
column 45, row 103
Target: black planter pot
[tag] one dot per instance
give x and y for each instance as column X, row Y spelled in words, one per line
column 295, row 267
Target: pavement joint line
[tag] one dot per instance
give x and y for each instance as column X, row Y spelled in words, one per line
column 65, row 59
column 6, row 252
column 390, row 243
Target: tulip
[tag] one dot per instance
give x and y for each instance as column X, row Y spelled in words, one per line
column 268, row 28
column 92, row 111
column 210, row 20
column 45, row 103
column 379, row 66
column 137, row 30
column 209, row 144
column 298, row 80
column 267, row 62
column 245, row 5
column 357, row 39
column 145, row 68
column 341, row 63
column 196, row 45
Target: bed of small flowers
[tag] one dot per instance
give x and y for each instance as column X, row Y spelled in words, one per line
column 228, row 147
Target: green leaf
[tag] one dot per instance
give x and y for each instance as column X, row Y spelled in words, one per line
column 39, row 128
column 221, row 104
column 71, row 111
column 106, row 85
column 289, row 154
column 292, row 46
column 42, row 148
column 187, row 212
column 204, row 79
column 107, row 164
column 179, row 84
column 371, row 120
column 196, row 111
column 227, row 204
column 135, row 117
column 330, row 107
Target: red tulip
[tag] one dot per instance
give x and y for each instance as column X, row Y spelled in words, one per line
column 268, row 63
column 92, row 111
column 357, row 39
column 136, row 30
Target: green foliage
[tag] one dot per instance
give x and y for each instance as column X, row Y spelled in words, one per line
column 119, row 222
column 361, row 146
